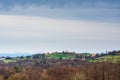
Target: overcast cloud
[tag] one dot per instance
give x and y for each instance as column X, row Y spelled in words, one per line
column 56, row 25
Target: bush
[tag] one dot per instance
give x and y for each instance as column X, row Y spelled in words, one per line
column 18, row 76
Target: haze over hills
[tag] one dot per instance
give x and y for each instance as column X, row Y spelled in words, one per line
column 15, row 54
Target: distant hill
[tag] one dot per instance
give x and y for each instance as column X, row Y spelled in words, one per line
column 107, row 58
column 60, row 56
column 14, row 54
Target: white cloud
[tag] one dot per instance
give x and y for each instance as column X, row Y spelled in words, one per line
column 33, row 33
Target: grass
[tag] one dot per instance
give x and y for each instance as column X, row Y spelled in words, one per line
column 108, row 58
column 7, row 61
column 59, row 55
column 12, row 60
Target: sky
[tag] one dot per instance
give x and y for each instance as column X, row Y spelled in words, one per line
column 56, row 25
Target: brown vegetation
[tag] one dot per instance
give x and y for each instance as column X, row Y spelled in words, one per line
column 86, row 71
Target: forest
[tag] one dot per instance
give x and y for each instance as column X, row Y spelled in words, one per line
column 61, row 66
column 59, row 70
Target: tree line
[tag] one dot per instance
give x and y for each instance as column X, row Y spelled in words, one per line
column 85, row 71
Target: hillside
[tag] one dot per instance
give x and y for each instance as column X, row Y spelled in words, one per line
column 60, row 56
column 108, row 58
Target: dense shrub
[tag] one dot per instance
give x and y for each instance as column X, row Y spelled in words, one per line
column 86, row 71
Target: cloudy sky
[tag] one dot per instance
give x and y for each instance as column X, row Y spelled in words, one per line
column 57, row 25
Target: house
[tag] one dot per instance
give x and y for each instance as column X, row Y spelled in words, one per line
column 93, row 55
column 1, row 58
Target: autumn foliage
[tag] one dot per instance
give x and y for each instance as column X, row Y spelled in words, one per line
column 87, row 71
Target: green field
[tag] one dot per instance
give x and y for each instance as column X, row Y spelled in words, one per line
column 109, row 58
column 58, row 56
column 7, row 61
